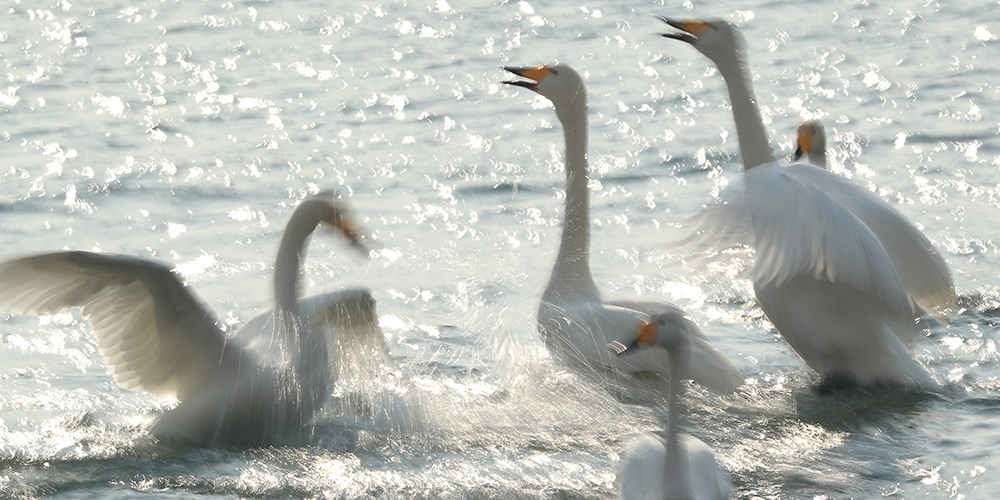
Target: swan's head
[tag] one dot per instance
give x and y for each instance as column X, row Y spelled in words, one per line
column 811, row 143
column 558, row 82
column 669, row 331
column 718, row 39
column 331, row 211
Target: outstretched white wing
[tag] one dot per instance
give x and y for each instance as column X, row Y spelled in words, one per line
column 797, row 209
column 154, row 333
column 801, row 229
column 921, row 267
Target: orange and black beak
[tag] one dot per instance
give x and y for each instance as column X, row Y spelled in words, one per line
column 534, row 73
column 645, row 336
column 691, row 29
column 804, row 142
column 350, row 228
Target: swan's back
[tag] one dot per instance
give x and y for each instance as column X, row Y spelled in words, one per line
column 708, row 479
column 644, row 467
column 640, row 476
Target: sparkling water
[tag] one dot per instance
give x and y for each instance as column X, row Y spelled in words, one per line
column 185, row 132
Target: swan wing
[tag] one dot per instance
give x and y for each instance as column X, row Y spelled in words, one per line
column 154, row 334
column 800, row 229
column 578, row 331
column 344, row 316
column 361, row 357
column 350, row 320
column 922, row 269
column 724, row 223
column 352, row 310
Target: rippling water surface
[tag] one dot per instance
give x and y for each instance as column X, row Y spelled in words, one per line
column 186, row 131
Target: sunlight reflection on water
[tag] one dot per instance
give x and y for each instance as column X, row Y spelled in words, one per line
column 185, row 132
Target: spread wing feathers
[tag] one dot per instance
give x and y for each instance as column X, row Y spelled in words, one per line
column 154, row 334
column 801, row 229
column 723, row 224
column 922, row 269
column 350, row 320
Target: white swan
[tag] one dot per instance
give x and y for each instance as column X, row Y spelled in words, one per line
column 679, row 466
column 811, row 143
column 573, row 319
column 157, row 336
column 837, row 270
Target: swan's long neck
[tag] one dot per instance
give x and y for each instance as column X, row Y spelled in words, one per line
column 677, row 474
column 312, row 365
column 754, row 146
column 572, row 270
column 292, row 249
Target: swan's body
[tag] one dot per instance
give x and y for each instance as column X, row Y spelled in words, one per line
column 157, row 336
column 810, row 142
column 678, row 466
column 574, row 321
column 838, row 271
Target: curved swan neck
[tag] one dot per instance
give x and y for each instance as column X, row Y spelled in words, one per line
column 311, row 368
column 572, row 269
column 292, row 249
column 754, row 146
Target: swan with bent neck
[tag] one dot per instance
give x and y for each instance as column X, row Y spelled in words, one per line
column 840, row 274
column 575, row 322
column 157, row 336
